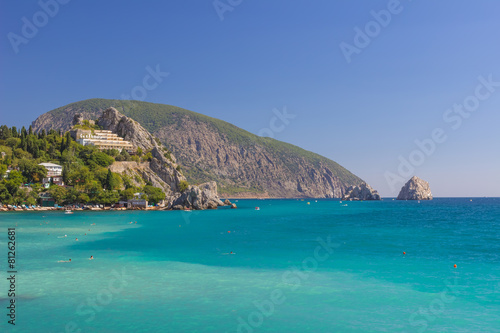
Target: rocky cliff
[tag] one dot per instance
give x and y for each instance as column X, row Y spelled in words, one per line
column 161, row 170
column 361, row 192
column 415, row 189
column 242, row 164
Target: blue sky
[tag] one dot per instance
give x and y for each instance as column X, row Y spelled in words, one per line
column 265, row 55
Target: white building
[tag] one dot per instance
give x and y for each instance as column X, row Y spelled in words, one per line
column 53, row 170
column 54, row 174
column 102, row 139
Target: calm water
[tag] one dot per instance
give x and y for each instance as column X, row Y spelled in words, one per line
column 322, row 267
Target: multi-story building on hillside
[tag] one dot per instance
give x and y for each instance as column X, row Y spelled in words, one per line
column 102, row 139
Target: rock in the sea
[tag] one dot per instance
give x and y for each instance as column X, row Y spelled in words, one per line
column 361, row 192
column 203, row 196
column 415, row 189
column 233, row 206
column 227, row 202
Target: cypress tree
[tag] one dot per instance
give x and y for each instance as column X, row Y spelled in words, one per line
column 109, row 180
column 68, row 140
column 65, row 173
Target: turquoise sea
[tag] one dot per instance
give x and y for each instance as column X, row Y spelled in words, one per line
column 291, row 266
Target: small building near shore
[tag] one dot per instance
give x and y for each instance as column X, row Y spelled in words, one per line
column 46, row 200
column 137, row 203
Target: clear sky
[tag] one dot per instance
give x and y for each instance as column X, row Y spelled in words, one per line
column 409, row 63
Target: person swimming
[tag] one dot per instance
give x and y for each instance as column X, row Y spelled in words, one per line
column 65, row 260
column 76, row 239
column 91, row 258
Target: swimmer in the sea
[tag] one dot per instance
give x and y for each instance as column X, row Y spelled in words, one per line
column 91, row 258
column 65, row 260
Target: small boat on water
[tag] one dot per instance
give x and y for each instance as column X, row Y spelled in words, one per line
column 257, row 208
column 68, row 211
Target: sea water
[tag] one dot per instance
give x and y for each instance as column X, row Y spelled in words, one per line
column 292, row 266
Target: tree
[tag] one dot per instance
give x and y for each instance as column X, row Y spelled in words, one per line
column 93, row 190
column 13, row 142
column 83, row 198
column 183, row 185
column 80, row 176
column 128, row 193
column 58, row 193
column 5, row 196
column 13, row 182
column 155, row 194
column 68, row 140
column 65, row 173
column 5, row 132
column 72, row 196
column 147, row 157
column 62, row 146
column 33, row 172
column 109, row 181
column 3, row 169
column 101, row 159
column 108, row 197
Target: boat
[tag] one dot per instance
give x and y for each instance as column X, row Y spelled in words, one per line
column 257, row 208
column 68, row 211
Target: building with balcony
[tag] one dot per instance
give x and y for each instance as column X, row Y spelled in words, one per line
column 53, row 170
column 54, row 174
column 102, row 139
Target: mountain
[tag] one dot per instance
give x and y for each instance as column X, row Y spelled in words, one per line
column 209, row 149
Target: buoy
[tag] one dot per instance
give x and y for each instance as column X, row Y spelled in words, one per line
column 228, row 231
column 455, row 265
column 404, row 252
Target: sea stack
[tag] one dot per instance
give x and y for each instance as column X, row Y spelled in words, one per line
column 415, row 189
column 361, row 192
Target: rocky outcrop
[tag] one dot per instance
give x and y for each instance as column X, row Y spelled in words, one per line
column 203, row 196
column 415, row 189
column 161, row 170
column 164, row 169
column 361, row 192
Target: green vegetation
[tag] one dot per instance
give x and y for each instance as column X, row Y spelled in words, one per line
column 85, row 170
column 183, row 185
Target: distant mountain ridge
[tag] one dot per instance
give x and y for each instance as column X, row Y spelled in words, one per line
column 209, row 149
